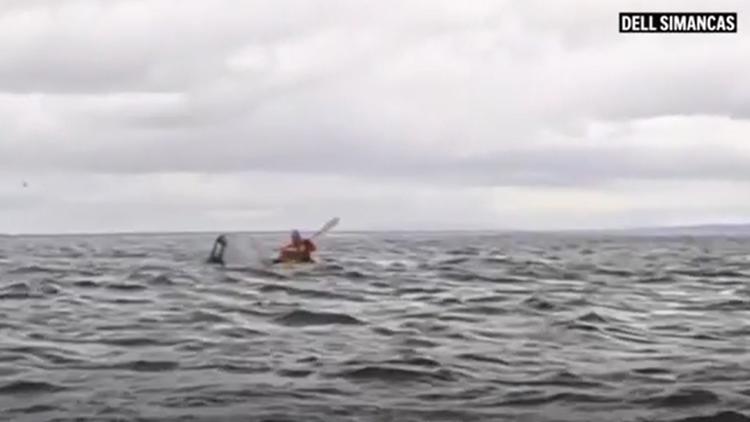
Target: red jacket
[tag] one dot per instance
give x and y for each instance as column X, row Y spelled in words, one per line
column 302, row 252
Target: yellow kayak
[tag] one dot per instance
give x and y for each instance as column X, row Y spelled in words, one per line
column 289, row 268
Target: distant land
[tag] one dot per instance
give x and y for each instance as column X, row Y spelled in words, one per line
column 696, row 230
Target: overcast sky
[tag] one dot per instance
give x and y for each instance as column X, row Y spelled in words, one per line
column 163, row 115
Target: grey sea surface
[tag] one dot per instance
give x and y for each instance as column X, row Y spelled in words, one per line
column 388, row 327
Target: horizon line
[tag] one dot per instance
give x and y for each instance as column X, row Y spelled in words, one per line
column 354, row 231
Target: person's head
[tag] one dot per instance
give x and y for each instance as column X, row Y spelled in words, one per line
column 296, row 237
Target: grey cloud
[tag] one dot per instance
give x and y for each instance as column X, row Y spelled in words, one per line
column 169, row 53
column 444, row 94
column 161, row 45
column 168, row 45
column 566, row 165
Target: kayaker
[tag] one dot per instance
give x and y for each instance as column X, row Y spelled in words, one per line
column 300, row 250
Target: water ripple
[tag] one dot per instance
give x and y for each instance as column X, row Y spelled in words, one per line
column 392, row 326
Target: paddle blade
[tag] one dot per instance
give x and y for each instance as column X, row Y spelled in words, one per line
column 327, row 227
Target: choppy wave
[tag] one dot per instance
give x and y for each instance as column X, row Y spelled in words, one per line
column 402, row 327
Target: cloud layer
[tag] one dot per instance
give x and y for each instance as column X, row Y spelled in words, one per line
column 182, row 115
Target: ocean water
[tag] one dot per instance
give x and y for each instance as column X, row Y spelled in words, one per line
column 389, row 327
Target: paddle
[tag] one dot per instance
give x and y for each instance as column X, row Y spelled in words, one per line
column 326, row 228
